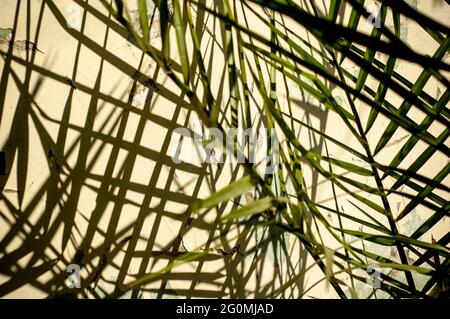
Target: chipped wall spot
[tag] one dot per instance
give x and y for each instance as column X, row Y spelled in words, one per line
column 153, row 18
column 18, row 46
column 5, row 34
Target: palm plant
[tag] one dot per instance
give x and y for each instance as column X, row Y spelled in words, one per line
column 354, row 184
column 344, row 69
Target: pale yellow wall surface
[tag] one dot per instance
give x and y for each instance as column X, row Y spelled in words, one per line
column 116, row 155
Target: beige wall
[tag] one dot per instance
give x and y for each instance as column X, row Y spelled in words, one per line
column 92, row 164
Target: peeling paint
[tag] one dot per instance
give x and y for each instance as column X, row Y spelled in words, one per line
column 19, row 46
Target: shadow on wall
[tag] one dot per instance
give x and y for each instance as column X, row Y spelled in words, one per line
column 35, row 249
